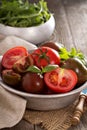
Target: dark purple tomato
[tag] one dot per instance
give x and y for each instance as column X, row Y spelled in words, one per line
column 23, row 63
column 10, row 77
column 47, row 91
column 33, row 83
column 54, row 45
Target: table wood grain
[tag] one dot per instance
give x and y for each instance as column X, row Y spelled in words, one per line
column 71, row 30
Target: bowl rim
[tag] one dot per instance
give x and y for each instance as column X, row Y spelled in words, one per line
column 40, row 25
column 24, row 94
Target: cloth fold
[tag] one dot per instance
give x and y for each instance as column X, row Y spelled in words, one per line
column 12, row 108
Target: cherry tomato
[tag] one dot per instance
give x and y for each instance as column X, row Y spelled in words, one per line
column 33, row 82
column 44, row 56
column 61, row 80
column 12, row 55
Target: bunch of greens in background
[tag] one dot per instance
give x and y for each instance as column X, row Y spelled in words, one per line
column 20, row 13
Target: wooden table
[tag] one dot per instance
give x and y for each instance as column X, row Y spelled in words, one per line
column 71, row 27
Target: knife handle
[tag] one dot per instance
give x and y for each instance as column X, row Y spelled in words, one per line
column 78, row 110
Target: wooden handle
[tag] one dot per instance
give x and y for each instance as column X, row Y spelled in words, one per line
column 79, row 110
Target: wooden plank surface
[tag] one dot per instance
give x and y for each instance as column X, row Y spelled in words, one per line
column 76, row 13
column 71, row 29
column 22, row 125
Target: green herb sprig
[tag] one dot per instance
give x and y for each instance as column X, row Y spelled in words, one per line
column 43, row 70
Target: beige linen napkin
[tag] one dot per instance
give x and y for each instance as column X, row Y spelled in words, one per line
column 12, row 107
column 12, row 41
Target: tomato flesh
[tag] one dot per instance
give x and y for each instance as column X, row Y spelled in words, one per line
column 44, row 56
column 22, row 64
column 61, row 80
column 13, row 55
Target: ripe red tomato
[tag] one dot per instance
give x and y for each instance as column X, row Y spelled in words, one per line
column 61, row 80
column 12, row 55
column 44, row 56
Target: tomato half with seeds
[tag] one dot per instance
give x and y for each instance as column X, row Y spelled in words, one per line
column 61, row 80
column 44, row 56
column 23, row 63
column 13, row 55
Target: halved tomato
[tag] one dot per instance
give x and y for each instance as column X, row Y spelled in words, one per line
column 13, row 55
column 61, row 80
column 44, row 56
column 22, row 64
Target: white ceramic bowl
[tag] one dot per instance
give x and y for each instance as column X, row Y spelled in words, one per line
column 35, row 35
column 37, row 101
column 46, row 102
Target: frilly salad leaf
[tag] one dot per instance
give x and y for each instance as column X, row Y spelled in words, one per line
column 65, row 54
column 22, row 13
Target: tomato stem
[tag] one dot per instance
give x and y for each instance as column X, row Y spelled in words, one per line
column 43, row 55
